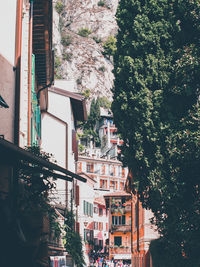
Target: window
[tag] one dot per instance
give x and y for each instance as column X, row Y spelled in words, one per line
column 123, row 172
column 103, row 184
column 87, row 208
column 117, row 241
column 95, row 210
column 96, row 226
column 79, row 167
column 101, row 243
column 121, row 186
column 100, row 226
column 112, row 172
column 113, row 185
column 100, row 212
column 96, row 241
column 103, row 169
column 90, row 167
column 88, row 235
column 119, row 220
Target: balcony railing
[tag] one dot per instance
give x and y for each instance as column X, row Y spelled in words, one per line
column 121, row 228
column 120, row 250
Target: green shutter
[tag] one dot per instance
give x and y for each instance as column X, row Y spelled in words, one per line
column 36, row 116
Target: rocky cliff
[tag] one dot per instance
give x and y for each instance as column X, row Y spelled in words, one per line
column 82, row 28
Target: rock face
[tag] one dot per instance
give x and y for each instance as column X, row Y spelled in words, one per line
column 80, row 29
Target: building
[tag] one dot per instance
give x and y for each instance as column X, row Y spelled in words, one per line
column 58, row 133
column 109, row 174
column 143, row 232
column 85, row 214
column 100, row 227
column 108, row 134
column 26, row 71
column 119, row 205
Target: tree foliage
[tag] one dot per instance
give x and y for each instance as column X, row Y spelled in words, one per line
column 73, row 242
column 156, row 111
column 109, row 46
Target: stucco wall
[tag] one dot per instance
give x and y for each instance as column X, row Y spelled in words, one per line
column 7, row 91
column 7, row 30
column 54, row 142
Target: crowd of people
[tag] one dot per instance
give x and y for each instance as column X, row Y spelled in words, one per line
column 103, row 262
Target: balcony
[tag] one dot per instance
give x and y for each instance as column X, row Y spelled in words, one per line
column 120, row 250
column 121, row 228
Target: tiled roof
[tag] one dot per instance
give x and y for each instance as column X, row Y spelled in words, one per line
column 100, row 200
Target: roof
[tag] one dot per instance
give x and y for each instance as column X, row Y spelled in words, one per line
column 77, row 101
column 12, row 154
column 118, row 194
column 100, row 201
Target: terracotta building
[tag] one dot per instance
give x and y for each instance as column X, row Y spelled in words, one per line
column 143, row 231
column 120, row 226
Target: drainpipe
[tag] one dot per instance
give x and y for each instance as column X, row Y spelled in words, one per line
column 30, row 44
column 41, row 89
column 18, row 45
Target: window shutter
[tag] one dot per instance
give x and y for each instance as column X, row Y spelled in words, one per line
column 123, row 219
column 77, row 196
column 76, row 152
column 73, row 141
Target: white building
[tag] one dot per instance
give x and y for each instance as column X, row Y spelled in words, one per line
column 85, row 214
column 59, row 138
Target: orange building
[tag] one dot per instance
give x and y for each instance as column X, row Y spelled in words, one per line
column 143, row 231
column 120, row 226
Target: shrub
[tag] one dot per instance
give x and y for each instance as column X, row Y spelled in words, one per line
column 81, row 148
column 66, row 39
column 86, row 93
column 101, row 3
column 96, row 39
column 84, row 32
column 57, row 61
column 110, row 46
column 67, row 56
column 59, row 7
column 102, row 68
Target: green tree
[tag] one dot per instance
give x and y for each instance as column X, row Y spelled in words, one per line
column 73, row 242
column 89, row 127
column 156, row 111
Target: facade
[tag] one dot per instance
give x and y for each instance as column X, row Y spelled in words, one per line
column 100, row 226
column 119, row 207
column 58, row 132
column 85, row 195
column 109, row 174
column 26, row 71
column 108, row 134
column 143, row 231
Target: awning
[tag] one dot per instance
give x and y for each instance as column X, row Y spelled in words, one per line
column 10, row 153
column 3, row 103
